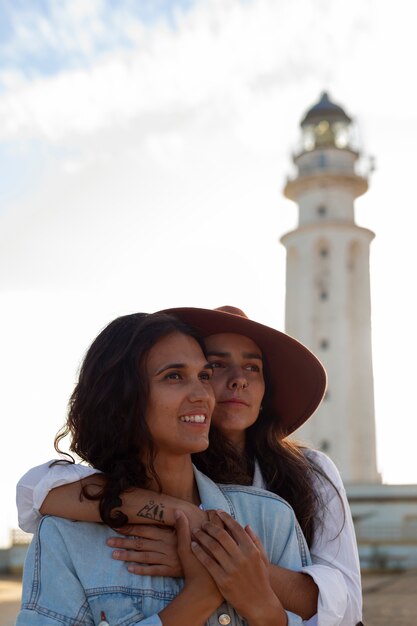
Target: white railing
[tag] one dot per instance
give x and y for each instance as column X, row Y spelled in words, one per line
column 386, row 534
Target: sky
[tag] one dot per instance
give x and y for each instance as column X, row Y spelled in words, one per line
column 144, row 147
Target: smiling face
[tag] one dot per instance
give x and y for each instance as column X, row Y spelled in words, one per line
column 238, row 383
column 180, row 399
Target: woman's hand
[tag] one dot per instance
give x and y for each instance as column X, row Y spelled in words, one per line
column 200, row 596
column 150, row 550
column 195, row 574
column 235, row 558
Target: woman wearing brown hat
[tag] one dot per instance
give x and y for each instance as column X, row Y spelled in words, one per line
column 266, row 385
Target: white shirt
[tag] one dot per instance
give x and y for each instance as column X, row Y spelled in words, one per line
column 334, row 553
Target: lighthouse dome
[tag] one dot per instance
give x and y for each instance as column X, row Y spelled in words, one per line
column 327, row 110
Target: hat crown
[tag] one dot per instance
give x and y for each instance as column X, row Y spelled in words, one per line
column 233, row 310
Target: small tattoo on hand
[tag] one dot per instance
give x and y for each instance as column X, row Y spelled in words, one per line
column 152, row 511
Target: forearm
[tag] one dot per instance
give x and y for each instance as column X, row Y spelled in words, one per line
column 191, row 606
column 147, row 507
column 67, row 500
column 297, row 592
column 139, row 505
column 269, row 615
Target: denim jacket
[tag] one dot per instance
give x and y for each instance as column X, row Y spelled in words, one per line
column 70, row 577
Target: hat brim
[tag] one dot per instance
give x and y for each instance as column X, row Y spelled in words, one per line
column 297, row 376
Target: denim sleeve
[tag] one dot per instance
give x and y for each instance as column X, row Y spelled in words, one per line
column 290, row 550
column 302, row 545
column 51, row 592
column 289, row 546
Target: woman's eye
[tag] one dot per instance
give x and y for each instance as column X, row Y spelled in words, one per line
column 206, row 375
column 215, row 365
column 252, row 367
column 173, row 376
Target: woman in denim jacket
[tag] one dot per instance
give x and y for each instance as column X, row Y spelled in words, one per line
column 141, row 406
column 259, row 402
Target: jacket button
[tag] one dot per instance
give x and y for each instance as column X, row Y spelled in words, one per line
column 224, row 619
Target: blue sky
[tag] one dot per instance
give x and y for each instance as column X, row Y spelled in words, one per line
column 45, row 37
column 144, row 147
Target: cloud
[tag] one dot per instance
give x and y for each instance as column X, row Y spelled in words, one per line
column 216, row 53
column 48, row 36
column 139, row 130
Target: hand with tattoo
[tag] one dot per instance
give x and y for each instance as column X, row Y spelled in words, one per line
column 152, row 550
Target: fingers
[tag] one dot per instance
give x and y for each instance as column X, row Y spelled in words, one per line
column 212, row 516
column 146, row 530
column 127, row 543
column 133, row 556
column 215, row 540
column 155, row 570
column 232, row 555
column 223, row 568
column 211, row 565
column 235, row 529
column 246, row 543
column 128, row 529
column 258, row 543
column 183, row 533
column 140, row 545
column 141, row 553
column 146, row 538
column 229, row 537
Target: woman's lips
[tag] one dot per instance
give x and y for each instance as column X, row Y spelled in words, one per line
column 233, row 401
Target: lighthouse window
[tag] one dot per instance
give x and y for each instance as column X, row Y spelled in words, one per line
column 324, row 344
column 324, row 252
column 324, row 294
column 321, row 210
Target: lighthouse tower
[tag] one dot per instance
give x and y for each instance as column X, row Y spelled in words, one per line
column 328, row 303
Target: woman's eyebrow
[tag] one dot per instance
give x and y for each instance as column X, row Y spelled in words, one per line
column 179, row 366
column 252, row 355
column 170, row 366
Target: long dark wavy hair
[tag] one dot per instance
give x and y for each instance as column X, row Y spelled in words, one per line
column 107, row 426
column 106, row 412
column 286, row 468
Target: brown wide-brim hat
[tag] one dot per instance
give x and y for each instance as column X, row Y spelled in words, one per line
column 297, row 377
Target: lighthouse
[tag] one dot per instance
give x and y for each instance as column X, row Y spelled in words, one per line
column 328, row 304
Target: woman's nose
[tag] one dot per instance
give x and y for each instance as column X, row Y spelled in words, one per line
column 202, row 391
column 238, row 382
